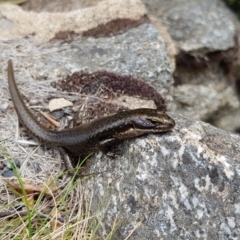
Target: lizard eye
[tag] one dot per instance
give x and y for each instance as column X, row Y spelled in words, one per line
column 152, row 121
column 144, row 123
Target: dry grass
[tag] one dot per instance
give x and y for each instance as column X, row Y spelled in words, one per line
column 53, row 209
column 57, row 211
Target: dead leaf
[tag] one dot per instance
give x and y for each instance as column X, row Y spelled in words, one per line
column 59, row 103
column 29, row 187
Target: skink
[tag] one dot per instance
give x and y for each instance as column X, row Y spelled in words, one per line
column 92, row 136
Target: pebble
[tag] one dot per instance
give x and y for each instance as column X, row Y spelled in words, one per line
column 58, row 114
column 17, row 162
column 33, row 102
column 67, row 111
column 3, row 107
column 8, row 173
column 36, row 166
column 74, row 98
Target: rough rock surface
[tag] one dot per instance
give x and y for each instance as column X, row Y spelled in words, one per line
column 128, row 53
column 183, row 184
column 196, row 26
column 203, row 34
column 15, row 22
column 57, row 6
column 180, row 185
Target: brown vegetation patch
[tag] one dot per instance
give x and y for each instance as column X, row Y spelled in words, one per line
column 116, row 26
column 106, row 85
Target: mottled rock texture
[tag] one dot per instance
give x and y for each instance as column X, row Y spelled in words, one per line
column 183, row 184
column 195, row 26
column 205, row 35
column 133, row 47
column 43, row 26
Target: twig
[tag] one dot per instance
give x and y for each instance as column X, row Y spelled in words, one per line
column 50, row 119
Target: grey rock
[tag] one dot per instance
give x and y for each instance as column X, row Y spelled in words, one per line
column 36, row 166
column 207, row 95
column 196, row 26
column 203, row 33
column 140, row 52
column 67, row 111
column 183, row 184
column 227, row 121
column 74, row 98
column 58, row 114
column 17, row 162
column 59, row 6
column 203, row 101
column 8, row 173
column 3, row 107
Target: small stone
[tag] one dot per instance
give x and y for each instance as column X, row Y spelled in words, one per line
column 33, row 102
column 4, row 107
column 8, row 173
column 67, row 111
column 58, row 114
column 36, row 166
column 74, row 98
column 17, row 162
